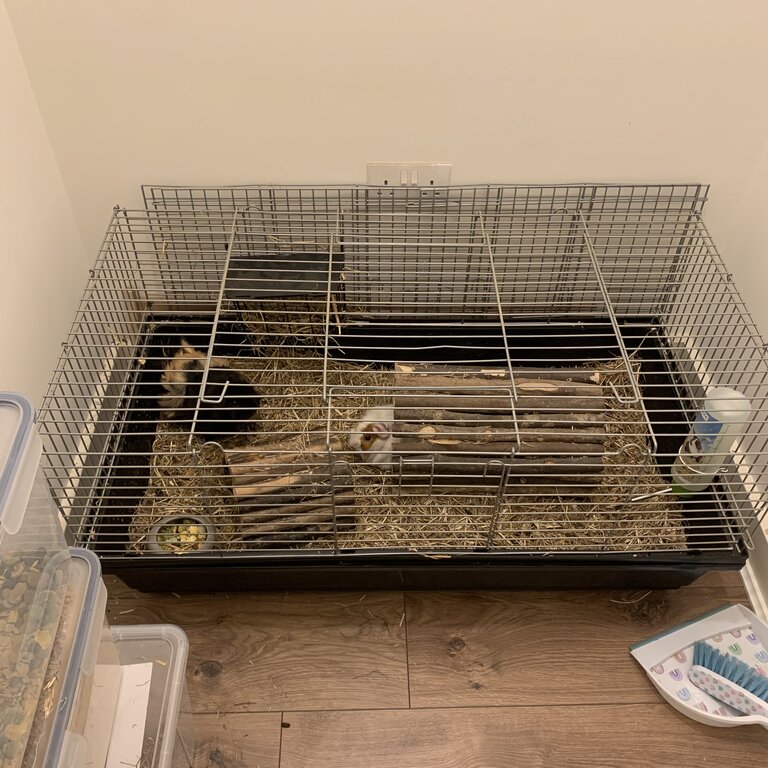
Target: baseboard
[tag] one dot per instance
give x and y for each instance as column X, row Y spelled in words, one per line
column 755, row 574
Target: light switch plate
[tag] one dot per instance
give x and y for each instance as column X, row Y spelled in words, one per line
column 409, row 174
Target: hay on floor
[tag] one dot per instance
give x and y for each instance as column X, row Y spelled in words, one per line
column 387, row 516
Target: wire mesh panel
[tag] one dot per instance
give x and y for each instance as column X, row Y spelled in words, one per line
column 139, row 267
column 356, row 372
column 408, row 264
column 669, row 270
column 663, row 199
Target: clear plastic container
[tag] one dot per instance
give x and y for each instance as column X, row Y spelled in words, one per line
column 153, row 660
column 129, row 704
column 72, row 662
column 87, row 733
column 34, row 572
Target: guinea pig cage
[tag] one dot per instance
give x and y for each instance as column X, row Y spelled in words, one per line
column 350, row 386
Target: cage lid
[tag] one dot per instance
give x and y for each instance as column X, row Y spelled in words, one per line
column 17, row 443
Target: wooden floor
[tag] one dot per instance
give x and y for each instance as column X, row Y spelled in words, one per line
column 452, row 679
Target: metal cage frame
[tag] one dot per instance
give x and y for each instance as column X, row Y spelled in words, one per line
column 606, row 269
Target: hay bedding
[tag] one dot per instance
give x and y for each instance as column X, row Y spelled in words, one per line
column 629, row 472
column 534, row 522
column 181, row 483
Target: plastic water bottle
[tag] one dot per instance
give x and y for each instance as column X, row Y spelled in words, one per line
column 722, row 419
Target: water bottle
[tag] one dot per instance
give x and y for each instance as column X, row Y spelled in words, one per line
column 723, row 418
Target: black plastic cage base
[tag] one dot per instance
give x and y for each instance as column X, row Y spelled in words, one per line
column 512, row 572
column 300, row 569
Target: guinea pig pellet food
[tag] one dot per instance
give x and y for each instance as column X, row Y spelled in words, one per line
column 32, row 596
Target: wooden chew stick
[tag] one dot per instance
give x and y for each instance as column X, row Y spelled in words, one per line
column 453, row 428
column 469, row 448
column 284, row 468
column 290, row 522
column 258, row 514
column 555, row 421
column 497, row 403
column 540, row 441
column 461, row 383
column 470, row 389
column 282, row 452
column 468, row 434
column 253, row 537
column 284, row 481
column 497, row 372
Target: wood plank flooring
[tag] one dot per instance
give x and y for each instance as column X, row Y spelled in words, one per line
column 267, row 652
column 238, row 741
column 464, row 679
column 639, row 735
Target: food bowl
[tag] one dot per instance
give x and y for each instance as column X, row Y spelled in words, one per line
column 182, row 534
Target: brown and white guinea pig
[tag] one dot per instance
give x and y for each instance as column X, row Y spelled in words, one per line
column 182, row 379
column 371, row 438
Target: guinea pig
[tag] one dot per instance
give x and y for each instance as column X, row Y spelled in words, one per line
column 371, row 438
column 182, row 379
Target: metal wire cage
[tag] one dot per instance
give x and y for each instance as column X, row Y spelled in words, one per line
column 487, row 380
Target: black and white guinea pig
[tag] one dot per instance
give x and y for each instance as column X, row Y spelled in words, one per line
column 182, row 378
column 371, row 438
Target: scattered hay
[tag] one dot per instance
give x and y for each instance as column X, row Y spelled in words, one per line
column 388, row 516
column 183, row 482
column 275, row 325
column 609, row 520
column 606, row 521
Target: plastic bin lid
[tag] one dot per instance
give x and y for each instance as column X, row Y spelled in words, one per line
column 17, row 419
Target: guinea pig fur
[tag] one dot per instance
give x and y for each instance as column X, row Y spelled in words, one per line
column 182, row 380
column 371, row 438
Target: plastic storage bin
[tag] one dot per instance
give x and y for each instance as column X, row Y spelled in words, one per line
column 76, row 649
column 34, row 573
column 116, row 696
column 153, row 724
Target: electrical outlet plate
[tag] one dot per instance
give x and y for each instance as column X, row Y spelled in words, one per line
column 409, row 174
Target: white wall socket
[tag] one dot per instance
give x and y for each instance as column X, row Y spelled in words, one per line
column 409, row 174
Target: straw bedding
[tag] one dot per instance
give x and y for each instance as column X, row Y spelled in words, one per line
column 386, row 516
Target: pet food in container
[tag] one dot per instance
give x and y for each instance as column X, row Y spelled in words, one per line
column 68, row 680
column 34, row 573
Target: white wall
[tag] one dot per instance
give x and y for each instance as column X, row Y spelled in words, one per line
column 739, row 224
column 41, row 253
column 193, row 91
